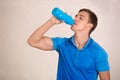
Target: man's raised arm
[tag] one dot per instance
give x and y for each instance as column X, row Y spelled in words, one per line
column 38, row 40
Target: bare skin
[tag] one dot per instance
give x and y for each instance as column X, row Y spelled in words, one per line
column 38, row 40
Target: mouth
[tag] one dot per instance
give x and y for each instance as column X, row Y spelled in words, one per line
column 75, row 24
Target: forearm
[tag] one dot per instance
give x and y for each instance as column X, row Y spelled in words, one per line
column 39, row 33
column 104, row 75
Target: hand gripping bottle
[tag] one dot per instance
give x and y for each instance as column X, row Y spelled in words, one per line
column 59, row 14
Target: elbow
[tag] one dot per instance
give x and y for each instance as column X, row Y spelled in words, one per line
column 30, row 42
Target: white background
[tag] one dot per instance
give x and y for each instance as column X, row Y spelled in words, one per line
column 19, row 18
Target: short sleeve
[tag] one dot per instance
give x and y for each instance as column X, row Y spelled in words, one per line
column 57, row 41
column 102, row 63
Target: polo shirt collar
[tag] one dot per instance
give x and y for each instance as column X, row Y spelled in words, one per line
column 85, row 46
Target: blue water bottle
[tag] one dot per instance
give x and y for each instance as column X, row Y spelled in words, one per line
column 59, row 14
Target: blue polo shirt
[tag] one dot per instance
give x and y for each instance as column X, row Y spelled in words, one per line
column 83, row 64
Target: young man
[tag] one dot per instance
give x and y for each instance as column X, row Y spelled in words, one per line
column 80, row 57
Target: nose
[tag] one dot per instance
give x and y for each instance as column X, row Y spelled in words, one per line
column 76, row 19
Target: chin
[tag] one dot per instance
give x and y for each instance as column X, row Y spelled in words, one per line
column 76, row 29
column 73, row 28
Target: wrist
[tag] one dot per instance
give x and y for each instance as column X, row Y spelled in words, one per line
column 52, row 21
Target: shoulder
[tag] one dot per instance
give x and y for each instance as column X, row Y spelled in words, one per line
column 57, row 41
column 98, row 50
column 101, row 57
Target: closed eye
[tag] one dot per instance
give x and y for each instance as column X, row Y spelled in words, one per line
column 76, row 15
column 81, row 18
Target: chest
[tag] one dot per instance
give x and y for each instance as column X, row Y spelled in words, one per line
column 80, row 59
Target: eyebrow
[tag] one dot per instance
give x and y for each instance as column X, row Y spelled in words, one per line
column 80, row 15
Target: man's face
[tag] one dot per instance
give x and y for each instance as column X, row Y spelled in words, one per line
column 81, row 21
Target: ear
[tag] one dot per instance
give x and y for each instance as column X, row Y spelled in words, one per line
column 90, row 25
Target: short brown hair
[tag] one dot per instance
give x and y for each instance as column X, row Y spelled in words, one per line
column 92, row 18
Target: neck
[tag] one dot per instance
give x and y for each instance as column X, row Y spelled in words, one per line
column 80, row 39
